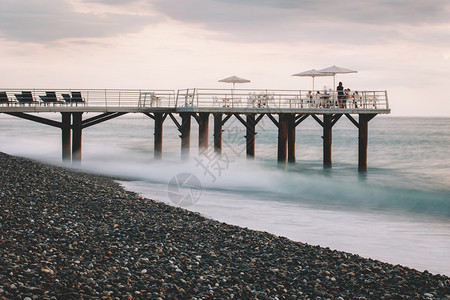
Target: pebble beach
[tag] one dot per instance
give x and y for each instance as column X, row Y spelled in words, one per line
column 71, row 235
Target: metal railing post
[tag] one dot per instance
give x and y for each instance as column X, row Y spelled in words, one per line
column 139, row 101
column 386, row 97
column 33, row 97
column 193, row 98
column 365, row 99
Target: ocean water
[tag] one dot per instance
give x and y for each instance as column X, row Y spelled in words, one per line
column 398, row 211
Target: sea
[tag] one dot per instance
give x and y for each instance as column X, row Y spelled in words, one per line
column 397, row 212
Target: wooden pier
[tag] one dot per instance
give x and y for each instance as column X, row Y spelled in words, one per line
column 287, row 109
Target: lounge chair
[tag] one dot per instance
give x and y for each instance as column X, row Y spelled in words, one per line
column 25, row 98
column 66, row 98
column 76, row 98
column 4, row 98
column 50, row 97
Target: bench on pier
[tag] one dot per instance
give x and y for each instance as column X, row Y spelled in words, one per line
column 25, row 98
column 74, row 99
column 50, row 97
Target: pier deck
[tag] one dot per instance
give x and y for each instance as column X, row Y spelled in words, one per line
column 291, row 106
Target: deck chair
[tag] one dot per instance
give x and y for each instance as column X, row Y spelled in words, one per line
column 50, row 97
column 4, row 98
column 25, row 98
column 66, row 98
column 76, row 98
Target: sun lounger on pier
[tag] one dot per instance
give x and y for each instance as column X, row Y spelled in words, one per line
column 50, row 97
column 25, row 98
column 66, row 98
column 4, row 98
column 75, row 98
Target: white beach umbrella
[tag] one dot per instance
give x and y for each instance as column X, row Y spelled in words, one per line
column 333, row 70
column 234, row 80
column 312, row 73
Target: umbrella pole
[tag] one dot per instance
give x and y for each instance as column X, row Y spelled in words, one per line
column 334, row 84
column 313, row 83
column 232, row 96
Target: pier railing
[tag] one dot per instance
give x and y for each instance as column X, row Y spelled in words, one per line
column 195, row 97
column 261, row 98
column 88, row 97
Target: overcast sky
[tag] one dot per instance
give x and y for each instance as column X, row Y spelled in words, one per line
column 401, row 46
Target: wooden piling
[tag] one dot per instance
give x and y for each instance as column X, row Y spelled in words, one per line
column 76, row 136
column 250, row 135
column 282, row 138
column 66, row 118
column 327, row 140
column 203, row 130
column 218, row 133
column 185, row 135
column 159, row 120
column 363, row 137
column 291, row 137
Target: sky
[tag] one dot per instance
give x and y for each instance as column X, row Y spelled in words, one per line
column 402, row 46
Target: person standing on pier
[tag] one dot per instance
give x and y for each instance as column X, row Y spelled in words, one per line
column 340, row 91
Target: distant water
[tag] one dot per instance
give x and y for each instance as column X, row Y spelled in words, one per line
column 398, row 212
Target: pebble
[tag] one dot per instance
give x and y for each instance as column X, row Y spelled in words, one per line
column 71, row 235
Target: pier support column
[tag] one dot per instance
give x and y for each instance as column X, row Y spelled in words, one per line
column 65, row 134
column 250, row 136
column 159, row 119
column 185, row 135
column 203, row 130
column 291, row 137
column 327, row 140
column 363, row 137
column 218, row 133
column 76, row 136
column 282, row 138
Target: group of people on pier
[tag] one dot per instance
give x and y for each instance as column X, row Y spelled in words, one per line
column 325, row 100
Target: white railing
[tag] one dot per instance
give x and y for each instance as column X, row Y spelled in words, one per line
column 89, row 97
column 196, row 97
column 261, row 98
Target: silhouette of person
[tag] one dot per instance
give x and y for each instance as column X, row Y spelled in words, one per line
column 340, row 91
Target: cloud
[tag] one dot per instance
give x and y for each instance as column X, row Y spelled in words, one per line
column 113, row 2
column 320, row 21
column 246, row 21
column 42, row 21
column 374, row 11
